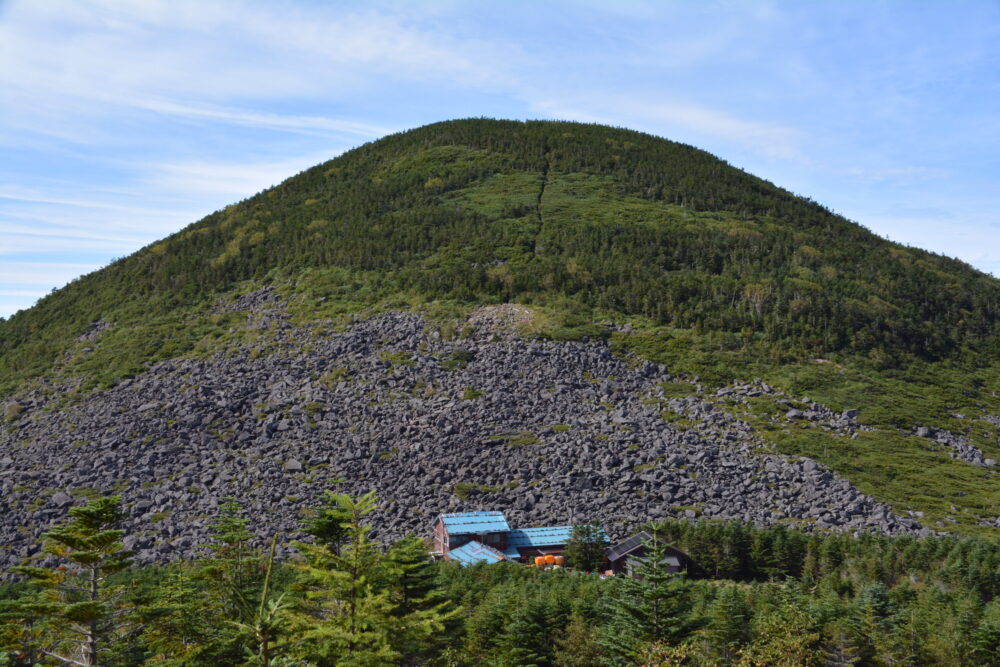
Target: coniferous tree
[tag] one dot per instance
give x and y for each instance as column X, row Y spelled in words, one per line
column 328, row 525
column 651, row 606
column 269, row 623
column 585, row 550
column 421, row 612
column 784, row 635
column 530, row 636
column 233, row 570
column 490, row 612
column 26, row 628
column 841, row 644
column 86, row 613
column 231, row 577
column 183, row 626
column 728, row 627
column 199, row 614
column 665, row 655
column 411, row 575
column 577, row 646
column 345, row 619
column 986, row 637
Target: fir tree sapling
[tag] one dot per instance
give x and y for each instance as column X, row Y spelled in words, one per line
column 653, row 606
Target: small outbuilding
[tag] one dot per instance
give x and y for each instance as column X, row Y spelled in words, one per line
column 623, row 557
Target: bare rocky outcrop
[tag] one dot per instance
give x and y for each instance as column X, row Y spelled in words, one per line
column 500, row 320
column 549, row 432
column 838, row 423
column 94, row 331
column 961, row 448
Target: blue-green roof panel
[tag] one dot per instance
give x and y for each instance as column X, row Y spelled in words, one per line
column 474, row 552
column 547, row 536
column 474, row 523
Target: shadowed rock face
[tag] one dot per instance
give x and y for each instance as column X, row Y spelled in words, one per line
column 547, row 432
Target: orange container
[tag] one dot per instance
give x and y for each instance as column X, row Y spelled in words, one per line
column 560, row 560
column 550, row 559
column 539, row 561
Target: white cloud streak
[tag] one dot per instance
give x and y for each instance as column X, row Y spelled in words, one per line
column 158, row 56
column 23, row 283
column 309, row 124
column 902, row 175
column 679, row 121
column 43, row 198
column 42, row 273
column 226, row 181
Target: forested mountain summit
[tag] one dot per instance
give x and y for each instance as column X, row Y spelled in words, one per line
column 608, row 222
column 765, row 307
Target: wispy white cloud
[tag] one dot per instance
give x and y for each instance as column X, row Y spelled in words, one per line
column 55, row 243
column 769, row 139
column 48, row 228
column 159, row 56
column 679, row 121
column 10, row 304
column 24, row 282
column 42, row 273
column 40, row 224
column 40, row 197
column 311, row 124
column 227, row 180
column 34, row 294
column 52, row 223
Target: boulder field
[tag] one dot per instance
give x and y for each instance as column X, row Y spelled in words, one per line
column 549, row 432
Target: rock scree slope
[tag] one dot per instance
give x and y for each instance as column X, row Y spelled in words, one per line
column 352, row 326
column 546, row 431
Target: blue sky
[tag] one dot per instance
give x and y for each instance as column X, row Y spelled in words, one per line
column 121, row 122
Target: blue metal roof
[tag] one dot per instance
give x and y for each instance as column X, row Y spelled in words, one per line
column 511, row 553
column 474, row 552
column 473, row 523
column 547, row 536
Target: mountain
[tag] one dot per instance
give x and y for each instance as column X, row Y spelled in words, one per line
column 445, row 298
column 489, row 211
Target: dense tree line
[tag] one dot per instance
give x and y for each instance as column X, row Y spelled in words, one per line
column 486, row 211
column 754, row 596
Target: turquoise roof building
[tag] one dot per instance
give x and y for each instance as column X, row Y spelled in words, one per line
column 486, row 537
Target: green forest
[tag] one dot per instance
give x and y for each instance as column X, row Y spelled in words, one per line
column 598, row 222
column 752, row 596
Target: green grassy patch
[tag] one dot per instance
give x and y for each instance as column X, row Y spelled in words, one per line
column 522, row 439
column 905, row 471
column 465, row 489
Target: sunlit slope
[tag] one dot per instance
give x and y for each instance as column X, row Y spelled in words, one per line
column 582, row 216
